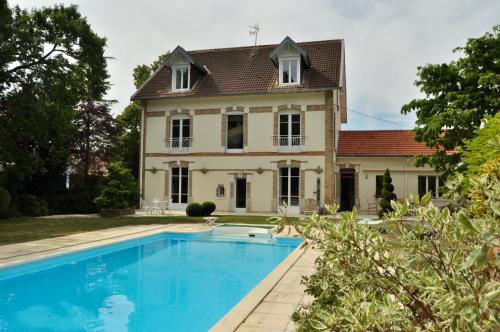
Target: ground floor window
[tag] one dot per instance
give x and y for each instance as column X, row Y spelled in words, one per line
column 379, row 181
column 428, row 183
column 179, row 185
column 289, row 186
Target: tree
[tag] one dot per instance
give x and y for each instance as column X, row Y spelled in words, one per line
column 387, row 193
column 93, row 142
column 51, row 61
column 439, row 273
column 120, row 190
column 129, row 121
column 143, row 72
column 458, row 95
column 129, row 137
column 485, row 146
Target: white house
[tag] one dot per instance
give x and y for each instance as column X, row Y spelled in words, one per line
column 251, row 127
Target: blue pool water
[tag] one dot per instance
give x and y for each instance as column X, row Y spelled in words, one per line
column 167, row 282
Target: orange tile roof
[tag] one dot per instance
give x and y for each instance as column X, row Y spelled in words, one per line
column 381, row 143
column 249, row 70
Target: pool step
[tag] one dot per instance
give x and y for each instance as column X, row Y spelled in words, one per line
column 242, row 232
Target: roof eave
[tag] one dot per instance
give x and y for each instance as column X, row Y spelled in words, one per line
column 234, row 94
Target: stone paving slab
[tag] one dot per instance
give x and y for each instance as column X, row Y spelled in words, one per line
column 275, row 311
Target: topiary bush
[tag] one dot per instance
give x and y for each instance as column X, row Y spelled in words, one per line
column 208, row 208
column 388, row 194
column 194, row 210
column 5, row 201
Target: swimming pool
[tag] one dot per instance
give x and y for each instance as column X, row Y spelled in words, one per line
column 166, row 282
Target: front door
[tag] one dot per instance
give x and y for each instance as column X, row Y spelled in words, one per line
column 289, row 189
column 346, row 190
column 241, row 193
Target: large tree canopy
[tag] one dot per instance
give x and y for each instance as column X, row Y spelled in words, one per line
column 485, row 146
column 95, row 137
column 458, row 95
column 50, row 63
column 129, row 121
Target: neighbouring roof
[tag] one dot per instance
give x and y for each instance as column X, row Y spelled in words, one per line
column 250, row 70
column 380, row 143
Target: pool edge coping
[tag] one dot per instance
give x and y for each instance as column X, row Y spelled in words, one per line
column 233, row 319
column 55, row 252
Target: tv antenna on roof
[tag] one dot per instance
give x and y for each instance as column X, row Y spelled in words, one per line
column 254, row 30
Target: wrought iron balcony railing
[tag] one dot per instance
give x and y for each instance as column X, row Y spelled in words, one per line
column 289, row 143
column 179, row 144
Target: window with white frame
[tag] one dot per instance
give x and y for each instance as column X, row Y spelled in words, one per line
column 220, row 191
column 289, row 70
column 289, row 129
column 428, row 183
column 180, row 77
column 180, row 132
column 179, row 185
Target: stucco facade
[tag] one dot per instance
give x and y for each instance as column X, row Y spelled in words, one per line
column 211, row 165
column 249, row 128
column 404, row 176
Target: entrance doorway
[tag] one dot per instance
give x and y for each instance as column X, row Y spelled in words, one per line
column 241, row 194
column 347, row 189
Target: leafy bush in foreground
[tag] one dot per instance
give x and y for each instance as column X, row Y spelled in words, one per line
column 439, row 272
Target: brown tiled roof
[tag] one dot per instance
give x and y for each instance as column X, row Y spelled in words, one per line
column 381, row 143
column 249, row 70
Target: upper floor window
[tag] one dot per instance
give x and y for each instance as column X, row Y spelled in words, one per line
column 180, row 77
column 181, row 132
column 290, row 136
column 235, row 131
column 289, row 71
column 289, row 129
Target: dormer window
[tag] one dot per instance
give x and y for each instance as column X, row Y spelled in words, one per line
column 289, row 58
column 289, row 70
column 180, row 77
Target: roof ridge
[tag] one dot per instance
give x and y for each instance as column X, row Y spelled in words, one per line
column 259, row 46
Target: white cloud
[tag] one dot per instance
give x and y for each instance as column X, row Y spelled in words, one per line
column 385, row 40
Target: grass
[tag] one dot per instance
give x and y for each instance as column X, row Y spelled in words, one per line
column 29, row 229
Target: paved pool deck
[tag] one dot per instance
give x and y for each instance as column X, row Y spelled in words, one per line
column 268, row 307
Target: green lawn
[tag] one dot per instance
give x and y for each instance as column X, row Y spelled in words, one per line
column 29, row 229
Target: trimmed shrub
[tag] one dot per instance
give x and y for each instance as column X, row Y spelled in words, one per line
column 194, row 210
column 388, row 194
column 5, row 201
column 208, row 208
column 32, row 206
column 120, row 189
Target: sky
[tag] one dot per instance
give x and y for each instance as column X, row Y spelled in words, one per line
column 385, row 40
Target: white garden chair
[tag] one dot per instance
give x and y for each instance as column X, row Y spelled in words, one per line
column 146, row 206
column 156, row 206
